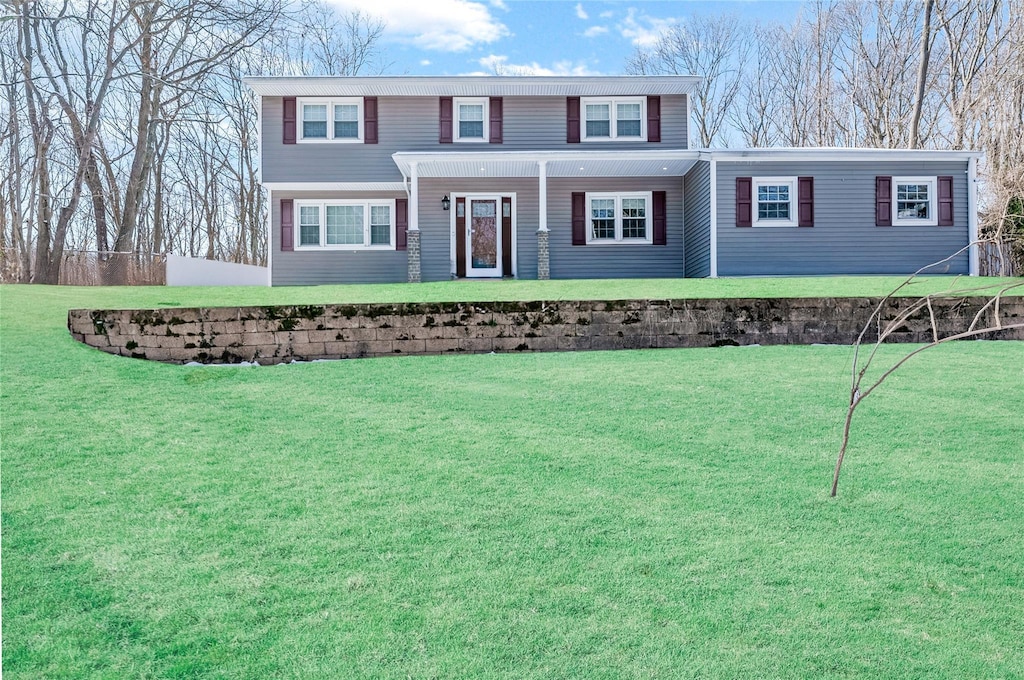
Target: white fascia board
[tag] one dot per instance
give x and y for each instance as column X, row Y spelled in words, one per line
column 469, row 86
column 335, row 186
column 837, row 154
column 526, row 163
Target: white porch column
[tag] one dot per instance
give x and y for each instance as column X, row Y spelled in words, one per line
column 543, row 252
column 413, row 231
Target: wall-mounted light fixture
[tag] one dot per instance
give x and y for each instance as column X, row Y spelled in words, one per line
column 446, row 203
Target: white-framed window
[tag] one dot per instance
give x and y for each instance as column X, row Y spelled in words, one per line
column 346, row 224
column 913, row 202
column 622, row 118
column 331, row 120
column 619, row 218
column 775, row 202
column 471, row 119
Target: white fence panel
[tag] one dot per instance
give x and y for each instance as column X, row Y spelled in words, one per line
column 191, row 271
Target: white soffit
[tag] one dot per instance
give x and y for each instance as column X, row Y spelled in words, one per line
column 469, row 86
column 558, row 164
column 335, row 186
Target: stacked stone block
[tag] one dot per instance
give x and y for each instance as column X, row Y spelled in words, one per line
column 278, row 334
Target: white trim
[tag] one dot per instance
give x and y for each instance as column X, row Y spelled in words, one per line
column 484, row 196
column 336, row 186
column 259, row 138
column 469, row 86
column 330, row 103
column 485, row 124
column 618, row 196
column 713, row 254
column 542, row 195
column 270, row 237
column 933, row 202
column 755, row 207
column 322, row 205
column 613, row 118
column 972, row 217
column 837, row 154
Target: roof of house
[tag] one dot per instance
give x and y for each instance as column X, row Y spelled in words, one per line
column 468, row 86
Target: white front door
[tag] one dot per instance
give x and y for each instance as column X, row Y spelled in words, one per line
column 483, row 237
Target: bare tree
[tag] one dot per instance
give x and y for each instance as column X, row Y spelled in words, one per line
column 712, row 47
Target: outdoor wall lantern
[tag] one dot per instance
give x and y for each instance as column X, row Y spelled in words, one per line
column 446, row 202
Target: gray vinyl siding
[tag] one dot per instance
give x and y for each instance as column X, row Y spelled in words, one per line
column 436, row 223
column 613, row 260
column 311, row 268
column 844, row 239
column 411, row 124
column 697, row 220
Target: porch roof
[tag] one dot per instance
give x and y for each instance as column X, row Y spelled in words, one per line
column 595, row 163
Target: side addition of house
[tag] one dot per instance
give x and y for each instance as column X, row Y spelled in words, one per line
column 387, row 179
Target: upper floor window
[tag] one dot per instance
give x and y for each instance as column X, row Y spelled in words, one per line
column 619, row 218
column 614, row 119
column 471, row 120
column 346, row 224
column 776, row 205
column 914, row 202
column 331, row 120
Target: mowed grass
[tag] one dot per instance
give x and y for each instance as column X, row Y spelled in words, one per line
column 635, row 514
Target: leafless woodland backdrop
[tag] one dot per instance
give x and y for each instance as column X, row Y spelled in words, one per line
column 127, row 132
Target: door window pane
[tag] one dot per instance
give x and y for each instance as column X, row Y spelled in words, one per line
column 344, row 225
column 484, row 235
column 314, row 121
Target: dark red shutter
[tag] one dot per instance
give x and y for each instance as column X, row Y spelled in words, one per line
column 883, row 201
column 660, row 214
column 805, row 201
column 654, row 119
column 506, row 237
column 445, row 132
column 460, row 237
column 579, row 218
column 289, row 120
column 401, row 223
column 572, row 120
column 370, row 120
column 744, row 202
column 287, row 224
column 945, row 201
column 496, row 120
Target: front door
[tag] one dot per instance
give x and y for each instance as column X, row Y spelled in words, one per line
column 483, row 251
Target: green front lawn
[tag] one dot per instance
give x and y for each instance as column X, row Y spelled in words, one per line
column 659, row 513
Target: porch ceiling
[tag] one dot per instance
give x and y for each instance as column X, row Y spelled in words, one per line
column 659, row 163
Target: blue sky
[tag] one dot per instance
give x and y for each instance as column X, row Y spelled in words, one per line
column 541, row 37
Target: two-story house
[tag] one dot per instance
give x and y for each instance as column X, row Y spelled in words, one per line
column 378, row 179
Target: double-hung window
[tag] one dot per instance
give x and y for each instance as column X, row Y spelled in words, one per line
column 914, row 201
column 776, row 202
column 471, row 119
column 614, row 119
column 346, row 224
column 619, row 218
column 331, row 120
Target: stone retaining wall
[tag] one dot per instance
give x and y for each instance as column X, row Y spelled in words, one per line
column 283, row 333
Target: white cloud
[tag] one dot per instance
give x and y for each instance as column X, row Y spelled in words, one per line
column 644, row 30
column 442, row 25
column 499, row 4
column 498, row 64
column 425, row 62
column 606, row 15
column 580, row 12
column 595, row 31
